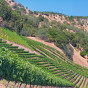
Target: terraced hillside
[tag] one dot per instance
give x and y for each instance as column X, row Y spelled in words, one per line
column 25, row 67
column 51, row 68
column 53, row 27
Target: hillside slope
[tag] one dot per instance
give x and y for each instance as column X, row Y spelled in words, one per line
column 79, row 59
column 79, row 22
column 51, row 62
column 38, row 62
column 53, row 27
column 76, row 57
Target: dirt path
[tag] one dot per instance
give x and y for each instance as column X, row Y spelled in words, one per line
column 2, row 86
column 17, row 85
column 86, row 83
column 73, row 77
column 78, row 59
column 21, row 46
column 80, row 81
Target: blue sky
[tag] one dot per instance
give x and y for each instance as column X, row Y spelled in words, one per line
column 68, row 7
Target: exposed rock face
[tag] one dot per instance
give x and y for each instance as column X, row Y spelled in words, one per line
column 12, row 3
column 62, row 19
column 86, row 24
column 1, row 19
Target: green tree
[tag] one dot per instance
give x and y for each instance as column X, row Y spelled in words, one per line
column 5, row 11
column 68, row 50
column 83, row 53
column 41, row 18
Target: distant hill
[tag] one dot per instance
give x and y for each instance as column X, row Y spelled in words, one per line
column 77, row 21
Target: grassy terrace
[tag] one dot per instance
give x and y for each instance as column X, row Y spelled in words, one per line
column 50, row 61
column 13, row 37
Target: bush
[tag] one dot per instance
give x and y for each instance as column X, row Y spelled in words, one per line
column 61, row 41
column 42, row 33
column 83, row 53
column 5, row 11
column 68, row 50
column 41, row 18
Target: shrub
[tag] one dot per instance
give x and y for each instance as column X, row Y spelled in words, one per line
column 68, row 50
column 41, row 18
column 83, row 53
column 42, row 33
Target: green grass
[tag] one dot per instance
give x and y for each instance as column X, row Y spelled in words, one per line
column 13, row 37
